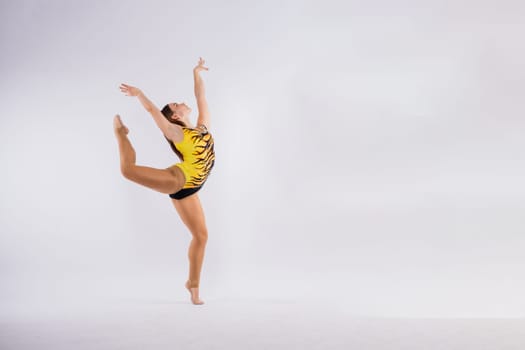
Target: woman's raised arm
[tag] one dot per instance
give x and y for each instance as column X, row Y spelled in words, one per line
column 169, row 130
column 202, row 104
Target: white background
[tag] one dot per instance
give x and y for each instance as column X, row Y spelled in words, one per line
column 367, row 152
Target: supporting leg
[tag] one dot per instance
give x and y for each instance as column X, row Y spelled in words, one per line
column 196, row 257
column 192, row 215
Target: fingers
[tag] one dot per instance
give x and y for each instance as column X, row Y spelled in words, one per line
column 126, row 89
column 200, row 66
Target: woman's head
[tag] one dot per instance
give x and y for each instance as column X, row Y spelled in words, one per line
column 177, row 113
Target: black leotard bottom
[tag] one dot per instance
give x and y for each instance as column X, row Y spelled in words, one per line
column 185, row 192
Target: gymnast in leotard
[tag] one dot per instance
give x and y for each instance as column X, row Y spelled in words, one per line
column 182, row 181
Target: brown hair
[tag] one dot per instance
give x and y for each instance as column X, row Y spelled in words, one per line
column 168, row 114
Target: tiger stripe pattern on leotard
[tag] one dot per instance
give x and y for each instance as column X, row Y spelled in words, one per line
column 198, row 155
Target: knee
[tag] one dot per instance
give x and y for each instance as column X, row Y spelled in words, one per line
column 201, row 236
column 127, row 171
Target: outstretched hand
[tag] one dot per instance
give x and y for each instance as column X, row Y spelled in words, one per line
column 129, row 90
column 200, row 66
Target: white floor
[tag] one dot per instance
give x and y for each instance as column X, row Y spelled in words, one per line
column 258, row 323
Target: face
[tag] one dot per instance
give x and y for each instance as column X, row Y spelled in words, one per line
column 179, row 109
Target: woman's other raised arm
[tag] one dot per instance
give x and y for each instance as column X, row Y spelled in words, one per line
column 171, row 131
column 202, row 104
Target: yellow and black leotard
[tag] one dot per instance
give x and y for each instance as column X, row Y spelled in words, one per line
column 198, row 158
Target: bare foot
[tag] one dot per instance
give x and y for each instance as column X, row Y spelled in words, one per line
column 119, row 126
column 194, row 292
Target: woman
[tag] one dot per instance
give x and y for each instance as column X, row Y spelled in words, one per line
column 182, row 181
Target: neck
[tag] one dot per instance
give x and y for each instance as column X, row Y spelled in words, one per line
column 187, row 122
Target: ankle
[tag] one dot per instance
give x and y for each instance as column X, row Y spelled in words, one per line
column 192, row 284
column 121, row 132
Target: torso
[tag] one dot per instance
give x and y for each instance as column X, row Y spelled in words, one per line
column 197, row 149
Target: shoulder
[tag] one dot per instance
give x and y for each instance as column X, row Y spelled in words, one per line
column 175, row 133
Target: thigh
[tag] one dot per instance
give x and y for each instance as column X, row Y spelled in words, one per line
column 191, row 213
column 162, row 180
